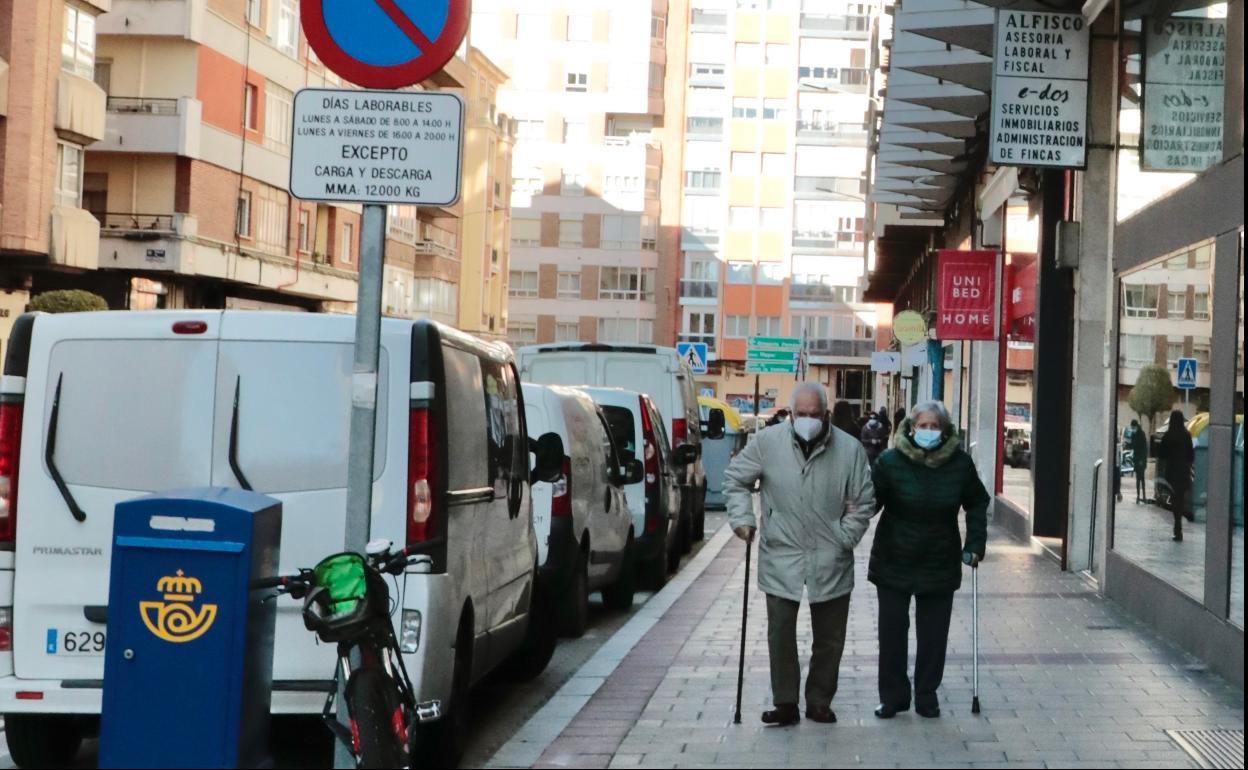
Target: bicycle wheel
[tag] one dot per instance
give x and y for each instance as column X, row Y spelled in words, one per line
column 378, row 724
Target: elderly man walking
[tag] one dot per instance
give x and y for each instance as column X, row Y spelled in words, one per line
column 817, row 501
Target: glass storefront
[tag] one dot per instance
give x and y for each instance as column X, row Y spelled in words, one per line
column 1237, row 467
column 1165, row 340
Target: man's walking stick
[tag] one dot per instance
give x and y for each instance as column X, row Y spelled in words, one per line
column 745, row 614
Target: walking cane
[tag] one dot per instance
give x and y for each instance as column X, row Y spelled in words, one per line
column 975, row 639
column 745, row 613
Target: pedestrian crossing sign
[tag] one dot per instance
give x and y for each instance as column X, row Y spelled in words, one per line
column 694, row 354
column 1185, row 378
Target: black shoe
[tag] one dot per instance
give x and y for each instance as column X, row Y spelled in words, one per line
column 1178, row 537
column 1190, row 516
column 888, row 712
column 929, row 712
column 782, row 715
column 822, row 714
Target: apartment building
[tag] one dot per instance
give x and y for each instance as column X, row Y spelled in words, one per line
column 180, row 200
column 51, row 110
column 773, row 194
column 586, row 90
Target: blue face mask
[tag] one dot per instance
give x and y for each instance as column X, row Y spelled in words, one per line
column 926, row 438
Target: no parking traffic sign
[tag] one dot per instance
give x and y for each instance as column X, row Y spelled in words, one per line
column 384, row 43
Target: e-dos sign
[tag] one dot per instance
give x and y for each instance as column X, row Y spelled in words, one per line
column 1040, row 90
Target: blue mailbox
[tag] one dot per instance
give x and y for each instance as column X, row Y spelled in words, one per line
column 188, row 667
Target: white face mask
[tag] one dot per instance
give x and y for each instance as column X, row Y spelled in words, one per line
column 807, row 427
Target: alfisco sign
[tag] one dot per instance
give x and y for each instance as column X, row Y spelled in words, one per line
column 1040, row 90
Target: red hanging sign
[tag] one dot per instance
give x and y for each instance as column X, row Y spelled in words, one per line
column 966, row 288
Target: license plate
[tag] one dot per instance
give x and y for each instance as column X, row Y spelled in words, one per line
column 70, row 642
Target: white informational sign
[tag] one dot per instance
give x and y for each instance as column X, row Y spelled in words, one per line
column 1184, row 79
column 886, row 361
column 1040, row 90
column 377, row 146
column 914, row 355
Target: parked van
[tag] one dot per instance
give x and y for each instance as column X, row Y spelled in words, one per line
column 656, row 371
column 585, row 529
column 98, row 408
column 638, row 431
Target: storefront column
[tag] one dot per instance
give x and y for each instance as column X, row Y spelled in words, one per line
column 984, row 431
column 1092, row 385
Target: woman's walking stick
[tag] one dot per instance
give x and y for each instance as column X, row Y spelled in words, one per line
column 745, row 614
column 975, row 639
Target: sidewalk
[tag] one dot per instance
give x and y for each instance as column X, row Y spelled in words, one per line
column 1066, row 680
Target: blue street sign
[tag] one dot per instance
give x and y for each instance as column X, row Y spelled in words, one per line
column 1185, row 377
column 695, row 354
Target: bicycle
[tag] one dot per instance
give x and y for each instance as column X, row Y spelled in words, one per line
column 346, row 602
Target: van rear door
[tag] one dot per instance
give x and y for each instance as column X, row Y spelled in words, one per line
column 283, row 394
column 134, row 415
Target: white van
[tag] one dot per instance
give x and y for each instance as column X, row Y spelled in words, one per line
column 585, row 531
column 638, row 431
column 656, row 371
column 98, row 408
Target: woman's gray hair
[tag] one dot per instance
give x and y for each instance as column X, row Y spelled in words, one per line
column 809, row 387
column 935, row 407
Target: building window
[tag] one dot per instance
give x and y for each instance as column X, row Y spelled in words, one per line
column 1174, row 351
column 69, row 174
column 699, row 326
column 575, row 131
column 701, row 278
column 749, row 54
column 531, row 26
column 572, row 183
column 704, row 128
column 242, row 217
column 742, row 216
column 656, row 76
column 621, row 231
column 1137, row 351
column 567, row 331
column 777, row 53
column 1139, row 300
column 1176, row 304
column 287, row 32
column 569, row 285
column 526, row 232
column 744, row 163
column 706, row 179
column 521, row 333
column 571, row 233
column 525, row 183
column 769, row 326
column 776, row 164
column 1201, row 351
column 305, row 230
column 1200, row 305
column 625, row 330
column 278, row 104
column 658, row 29
column 740, row 273
column 736, row 327
column 522, row 283
column 626, row 283
column 649, row 233
column 772, row 218
column 348, row 242
column 577, row 81
column 251, row 107
column 253, row 12
column 78, row 43
column 273, row 220
column 775, row 109
column 580, row 26
column 771, row 273
column 744, row 108
column 531, row 129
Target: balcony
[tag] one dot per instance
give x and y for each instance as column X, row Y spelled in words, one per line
column 699, row 289
column 704, row 129
column 846, row 80
column 164, row 18
column 159, row 126
column 838, row 347
column 75, row 238
column 708, row 20
column 828, row 188
column 831, row 132
column 699, row 239
column 853, row 26
column 828, row 241
column 821, row 292
column 435, row 249
column 144, row 241
column 79, row 108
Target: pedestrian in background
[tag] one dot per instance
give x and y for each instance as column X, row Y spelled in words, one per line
column 921, row 484
column 1139, row 460
column 882, row 416
column 1179, row 454
column 874, row 437
column 843, row 418
column 898, row 418
column 816, row 502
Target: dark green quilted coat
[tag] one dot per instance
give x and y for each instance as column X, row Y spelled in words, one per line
column 917, row 547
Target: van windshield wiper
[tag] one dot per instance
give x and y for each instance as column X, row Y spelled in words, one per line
column 233, row 454
column 49, row 455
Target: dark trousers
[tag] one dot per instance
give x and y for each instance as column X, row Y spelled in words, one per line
column 1141, row 491
column 932, row 613
column 827, row 620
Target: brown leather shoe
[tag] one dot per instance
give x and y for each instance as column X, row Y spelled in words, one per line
column 783, row 715
column 823, row 714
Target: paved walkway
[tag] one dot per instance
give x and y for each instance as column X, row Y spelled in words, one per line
column 1066, row 680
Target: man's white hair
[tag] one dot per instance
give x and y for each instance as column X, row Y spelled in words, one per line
column 933, row 407
column 809, row 387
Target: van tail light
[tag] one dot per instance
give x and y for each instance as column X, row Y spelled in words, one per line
column 680, row 432
column 421, row 476
column 652, row 470
column 561, row 492
column 6, row 629
column 10, row 453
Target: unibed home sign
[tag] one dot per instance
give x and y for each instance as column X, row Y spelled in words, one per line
column 1040, row 90
column 1184, row 80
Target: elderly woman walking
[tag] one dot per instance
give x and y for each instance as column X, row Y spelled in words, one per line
column 918, row 553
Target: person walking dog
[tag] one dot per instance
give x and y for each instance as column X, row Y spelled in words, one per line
column 816, row 502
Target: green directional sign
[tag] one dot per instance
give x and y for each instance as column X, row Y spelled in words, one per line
column 780, row 343
column 764, row 354
column 771, row 367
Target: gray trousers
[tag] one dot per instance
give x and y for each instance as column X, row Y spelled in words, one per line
column 828, row 621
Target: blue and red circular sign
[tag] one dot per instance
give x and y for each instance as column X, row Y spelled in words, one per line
column 385, row 43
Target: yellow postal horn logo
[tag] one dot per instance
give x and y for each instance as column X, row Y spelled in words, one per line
column 176, row 619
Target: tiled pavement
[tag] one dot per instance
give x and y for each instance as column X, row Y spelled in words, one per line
column 1066, row 680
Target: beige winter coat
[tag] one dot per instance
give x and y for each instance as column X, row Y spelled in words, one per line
column 814, row 510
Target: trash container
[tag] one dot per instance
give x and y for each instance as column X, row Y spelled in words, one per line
column 188, row 664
